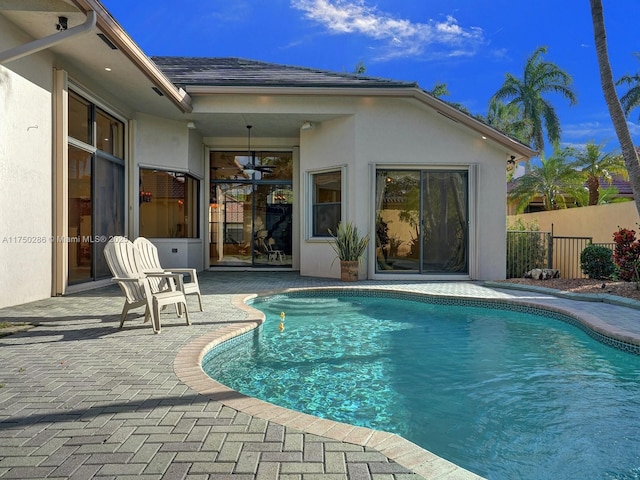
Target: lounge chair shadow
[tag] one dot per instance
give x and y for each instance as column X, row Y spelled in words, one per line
column 65, row 415
column 69, row 328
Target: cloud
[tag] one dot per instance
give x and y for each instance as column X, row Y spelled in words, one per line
column 397, row 37
column 587, row 130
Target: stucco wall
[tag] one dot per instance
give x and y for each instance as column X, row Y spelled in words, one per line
column 395, row 132
column 330, row 144
column 598, row 221
column 26, row 173
column 170, row 145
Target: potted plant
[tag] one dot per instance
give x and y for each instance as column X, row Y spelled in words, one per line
column 349, row 247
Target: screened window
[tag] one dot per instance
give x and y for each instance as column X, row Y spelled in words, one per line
column 168, row 204
column 326, row 202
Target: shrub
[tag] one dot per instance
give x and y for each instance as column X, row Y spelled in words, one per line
column 596, row 261
column 626, row 253
column 526, row 248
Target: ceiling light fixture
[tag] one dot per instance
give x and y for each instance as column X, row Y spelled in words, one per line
column 306, row 126
column 249, row 169
column 191, row 125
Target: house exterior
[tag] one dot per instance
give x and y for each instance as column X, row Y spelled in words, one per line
column 217, row 160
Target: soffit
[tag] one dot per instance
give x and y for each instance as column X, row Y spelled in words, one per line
column 86, row 56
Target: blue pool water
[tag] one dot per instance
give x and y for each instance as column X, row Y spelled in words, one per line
column 503, row 393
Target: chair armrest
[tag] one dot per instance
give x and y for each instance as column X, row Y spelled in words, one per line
column 191, row 272
column 127, row 279
column 177, row 277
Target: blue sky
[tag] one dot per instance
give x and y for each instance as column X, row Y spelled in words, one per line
column 467, row 44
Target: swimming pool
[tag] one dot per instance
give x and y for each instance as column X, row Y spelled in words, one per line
column 503, row 392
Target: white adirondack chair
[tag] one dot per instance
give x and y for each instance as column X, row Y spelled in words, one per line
column 151, row 263
column 142, row 289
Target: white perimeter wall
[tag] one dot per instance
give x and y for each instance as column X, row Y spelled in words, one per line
column 26, row 174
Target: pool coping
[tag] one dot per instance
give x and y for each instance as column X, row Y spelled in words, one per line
column 188, row 361
column 582, row 297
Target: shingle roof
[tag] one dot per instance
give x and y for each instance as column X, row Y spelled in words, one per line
column 225, row 71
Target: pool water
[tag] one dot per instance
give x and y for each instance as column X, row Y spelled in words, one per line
column 505, row 394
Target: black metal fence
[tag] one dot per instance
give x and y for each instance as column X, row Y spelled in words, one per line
column 527, row 250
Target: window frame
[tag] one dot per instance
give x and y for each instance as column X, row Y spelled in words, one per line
column 194, row 219
column 310, row 197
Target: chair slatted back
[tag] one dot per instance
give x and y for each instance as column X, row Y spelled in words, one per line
column 122, row 259
column 150, row 262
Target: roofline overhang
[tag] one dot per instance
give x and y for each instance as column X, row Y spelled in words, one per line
column 116, row 34
column 518, row 149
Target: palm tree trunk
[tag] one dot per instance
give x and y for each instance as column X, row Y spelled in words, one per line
column 593, row 185
column 613, row 103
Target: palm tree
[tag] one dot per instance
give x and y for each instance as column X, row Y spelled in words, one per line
column 596, row 165
column 606, row 195
column 555, row 180
column 615, row 109
column 631, row 99
column 360, row 69
column 439, row 90
column 539, row 78
column 507, row 118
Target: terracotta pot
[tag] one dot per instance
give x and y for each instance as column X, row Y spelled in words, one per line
column 349, row 270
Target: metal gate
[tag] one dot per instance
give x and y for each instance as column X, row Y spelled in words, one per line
column 527, row 250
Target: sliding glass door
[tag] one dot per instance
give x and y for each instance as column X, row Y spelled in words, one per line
column 250, row 211
column 422, row 221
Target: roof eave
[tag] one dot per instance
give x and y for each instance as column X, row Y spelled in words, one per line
column 116, row 34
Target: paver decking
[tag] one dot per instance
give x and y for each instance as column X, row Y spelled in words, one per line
column 82, row 399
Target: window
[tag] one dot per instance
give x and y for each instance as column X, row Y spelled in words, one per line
column 96, row 209
column 109, row 134
column 326, row 202
column 80, row 118
column 168, row 204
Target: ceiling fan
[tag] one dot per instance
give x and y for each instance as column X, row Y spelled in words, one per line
column 251, row 168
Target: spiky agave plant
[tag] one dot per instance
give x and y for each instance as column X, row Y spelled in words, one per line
column 348, row 244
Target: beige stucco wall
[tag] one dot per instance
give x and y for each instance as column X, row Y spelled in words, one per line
column 26, row 173
column 171, row 145
column 330, row 145
column 392, row 132
column 599, row 221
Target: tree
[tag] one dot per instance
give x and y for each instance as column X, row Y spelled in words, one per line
column 539, row 78
column 439, row 90
column 507, row 118
column 555, row 180
column 596, row 165
column 606, row 195
column 631, row 99
column 613, row 104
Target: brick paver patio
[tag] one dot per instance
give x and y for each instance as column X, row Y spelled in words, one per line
column 81, row 399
